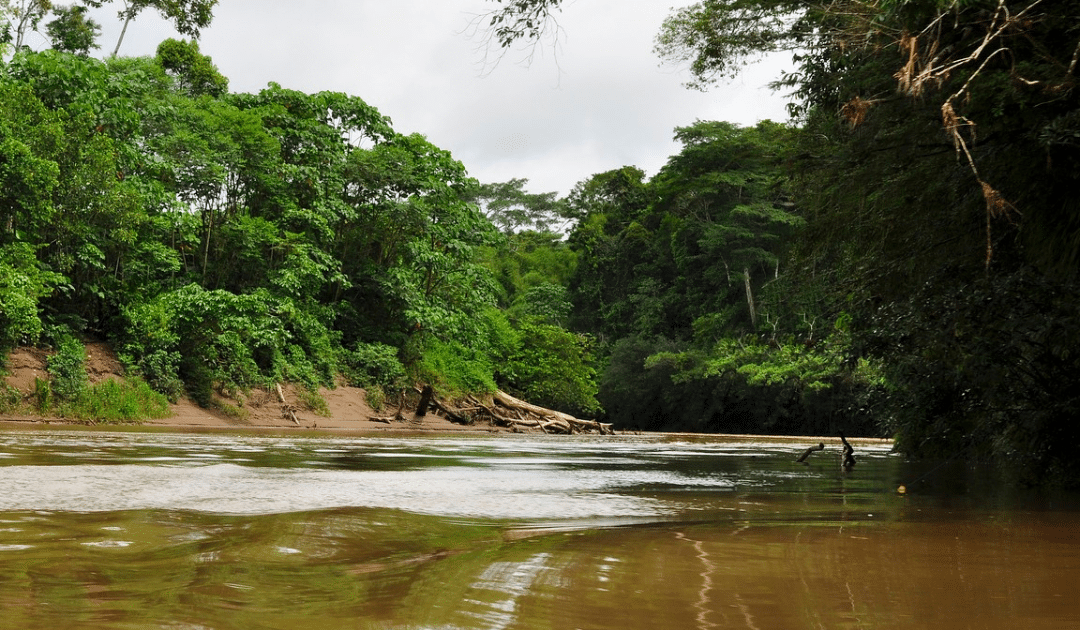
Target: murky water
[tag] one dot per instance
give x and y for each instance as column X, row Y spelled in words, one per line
column 149, row 530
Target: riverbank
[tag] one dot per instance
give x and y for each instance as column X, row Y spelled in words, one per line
column 346, row 409
column 343, row 408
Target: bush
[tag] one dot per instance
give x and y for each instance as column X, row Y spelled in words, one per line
column 374, row 365
column 313, row 401
column 116, row 401
column 454, row 369
column 43, row 395
column 986, row 370
column 22, row 284
column 554, row 368
column 10, row 399
column 216, row 339
column 68, row 369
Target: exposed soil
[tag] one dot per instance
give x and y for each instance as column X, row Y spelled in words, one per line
column 346, row 407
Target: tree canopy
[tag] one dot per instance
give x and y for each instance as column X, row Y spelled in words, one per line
column 931, row 177
column 901, row 258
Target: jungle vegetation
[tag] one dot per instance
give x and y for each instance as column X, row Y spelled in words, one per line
column 900, row 258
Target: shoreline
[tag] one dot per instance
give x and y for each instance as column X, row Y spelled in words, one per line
column 346, row 412
column 429, row 426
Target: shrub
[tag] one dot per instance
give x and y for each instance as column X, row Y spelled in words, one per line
column 43, row 395
column 554, row 368
column 454, row 369
column 68, row 369
column 115, row 401
column 313, row 401
column 374, row 365
column 22, row 284
column 10, row 398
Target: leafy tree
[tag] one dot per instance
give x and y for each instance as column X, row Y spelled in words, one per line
column 212, row 156
column 532, row 269
column 708, row 227
column 27, row 175
column 717, row 38
column 522, row 19
column 606, row 205
column 672, row 270
column 194, row 71
column 23, row 283
column 511, row 209
column 71, row 31
column 554, row 368
column 726, row 191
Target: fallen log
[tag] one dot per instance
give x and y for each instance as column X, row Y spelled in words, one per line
column 586, row 425
column 571, row 423
column 453, row 415
column 807, row 452
column 552, row 426
column 506, row 410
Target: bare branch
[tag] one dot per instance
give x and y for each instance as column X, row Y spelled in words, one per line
column 496, row 39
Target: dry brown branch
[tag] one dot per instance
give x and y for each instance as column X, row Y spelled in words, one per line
column 906, row 75
column 996, row 207
column 453, row 415
column 854, row 111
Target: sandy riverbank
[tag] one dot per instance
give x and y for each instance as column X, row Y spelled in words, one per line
column 347, row 409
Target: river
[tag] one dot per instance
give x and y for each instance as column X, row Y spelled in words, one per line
column 136, row 529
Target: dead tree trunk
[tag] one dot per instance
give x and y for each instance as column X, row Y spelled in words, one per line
column 425, row 401
column 551, row 420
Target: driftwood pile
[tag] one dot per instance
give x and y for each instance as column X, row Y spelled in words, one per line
column 503, row 410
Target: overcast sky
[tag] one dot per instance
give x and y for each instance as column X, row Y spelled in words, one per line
column 597, row 101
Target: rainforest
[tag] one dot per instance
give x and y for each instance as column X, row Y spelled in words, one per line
column 898, row 259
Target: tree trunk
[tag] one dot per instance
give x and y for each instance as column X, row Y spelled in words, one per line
column 123, row 32
column 750, row 298
column 425, row 401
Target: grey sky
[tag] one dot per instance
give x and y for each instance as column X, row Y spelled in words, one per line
column 596, row 101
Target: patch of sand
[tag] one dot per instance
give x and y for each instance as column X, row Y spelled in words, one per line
column 346, row 407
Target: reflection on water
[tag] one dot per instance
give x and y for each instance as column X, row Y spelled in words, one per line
column 140, row 530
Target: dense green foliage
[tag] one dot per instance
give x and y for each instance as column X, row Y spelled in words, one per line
column 684, row 276
column 937, row 171
column 901, row 259
column 228, row 241
column 930, row 287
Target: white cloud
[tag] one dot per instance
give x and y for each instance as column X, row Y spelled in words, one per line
column 598, row 101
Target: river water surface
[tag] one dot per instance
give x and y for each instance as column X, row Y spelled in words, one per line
column 197, row 531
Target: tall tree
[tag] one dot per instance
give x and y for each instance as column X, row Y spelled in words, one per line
column 194, row 71
column 71, row 31
column 511, row 208
column 189, row 17
column 22, row 17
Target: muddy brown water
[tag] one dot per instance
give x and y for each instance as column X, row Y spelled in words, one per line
column 158, row 530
